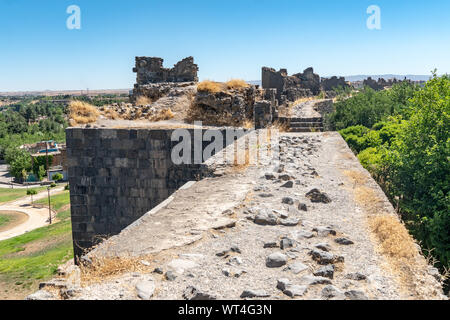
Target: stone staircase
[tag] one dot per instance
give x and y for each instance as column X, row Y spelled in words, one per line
column 314, row 124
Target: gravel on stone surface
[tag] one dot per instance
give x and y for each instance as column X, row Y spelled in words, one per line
column 304, row 260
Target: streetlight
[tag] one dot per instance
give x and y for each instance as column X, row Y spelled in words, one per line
column 49, row 206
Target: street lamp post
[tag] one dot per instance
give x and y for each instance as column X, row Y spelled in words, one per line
column 49, row 206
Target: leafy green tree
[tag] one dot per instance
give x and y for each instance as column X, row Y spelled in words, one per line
column 41, row 173
column 31, row 192
column 57, row 177
column 421, row 169
column 18, row 160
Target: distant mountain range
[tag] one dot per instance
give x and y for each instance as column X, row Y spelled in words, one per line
column 413, row 77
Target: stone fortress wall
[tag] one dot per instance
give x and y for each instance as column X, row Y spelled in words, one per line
column 117, row 175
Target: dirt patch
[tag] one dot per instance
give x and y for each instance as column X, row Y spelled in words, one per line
column 16, row 218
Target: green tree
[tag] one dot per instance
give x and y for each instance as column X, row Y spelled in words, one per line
column 31, row 192
column 421, row 169
column 18, row 160
column 57, row 177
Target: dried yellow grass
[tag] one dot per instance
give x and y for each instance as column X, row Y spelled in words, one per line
column 102, row 268
column 111, row 114
column 236, row 84
column 82, row 112
column 280, row 126
column 210, row 86
column 143, row 101
column 165, row 114
column 248, row 124
column 394, row 239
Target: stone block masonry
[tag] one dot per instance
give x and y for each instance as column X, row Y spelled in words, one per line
column 117, row 175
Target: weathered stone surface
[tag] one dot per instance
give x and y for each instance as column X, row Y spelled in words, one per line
column 303, row 234
column 356, row 295
column 326, row 271
column 343, row 241
column 316, row 196
column 324, row 231
column 151, row 70
column 323, row 246
column 145, row 289
column 329, row 292
column 356, row 276
column 323, row 257
column 297, row 267
column 282, row 283
column 192, row 293
column 181, row 265
column 286, row 243
column 276, row 260
column 265, row 217
column 290, row 222
column 41, row 295
column 254, row 294
column 294, row 290
column 287, row 200
column 170, row 275
column 288, row 184
column 270, row 244
column 313, row 280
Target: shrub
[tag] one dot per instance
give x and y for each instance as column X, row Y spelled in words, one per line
column 57, row 177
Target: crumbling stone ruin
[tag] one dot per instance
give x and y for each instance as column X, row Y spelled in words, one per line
column 328, row 84
column 226, row 107
column 151, row 70
column 153, row 81
column 379, row 84
column 290, row 88
column 303, row 84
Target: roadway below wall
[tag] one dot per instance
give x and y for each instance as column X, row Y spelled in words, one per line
column 37, row 216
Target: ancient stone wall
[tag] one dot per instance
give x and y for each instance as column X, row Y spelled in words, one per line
column 291, row 88
column 151, row 70
column 117, row 175
column 329, row 84
column 381, row 83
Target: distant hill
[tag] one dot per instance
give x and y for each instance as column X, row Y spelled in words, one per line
column 412, row 77
column 255, row 82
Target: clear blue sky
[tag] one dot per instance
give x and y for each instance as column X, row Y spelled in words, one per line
column 228, row 39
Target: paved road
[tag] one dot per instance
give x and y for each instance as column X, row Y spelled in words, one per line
column 37, row 217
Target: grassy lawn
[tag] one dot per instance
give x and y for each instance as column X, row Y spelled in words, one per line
column 57, row 201
column 7, row 195
column 34, row 256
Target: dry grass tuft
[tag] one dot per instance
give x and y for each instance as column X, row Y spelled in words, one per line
column 111, row 114
column 82, row 113
column 102, row 268
column 248, row 124
column 165, row 114
column 143, row 101
column 393, row 237
column 236, row 84
column 210, row 86
column 280, row 126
